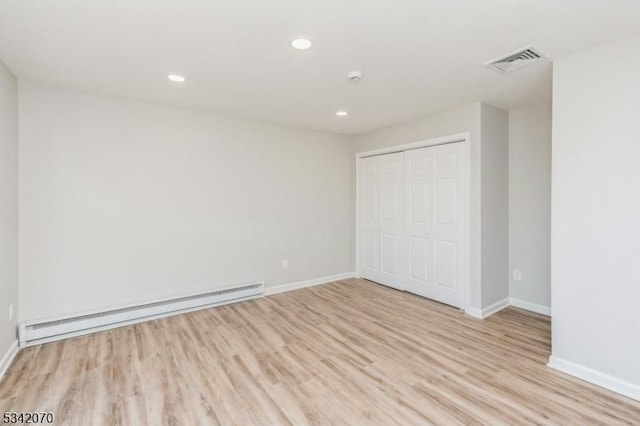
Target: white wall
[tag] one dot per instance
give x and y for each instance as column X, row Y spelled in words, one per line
column 595, row 232
column 8, row 207
column 465, row 118
column 530, row 204
column 123, row 201
column 495, row 205
column 459, row 120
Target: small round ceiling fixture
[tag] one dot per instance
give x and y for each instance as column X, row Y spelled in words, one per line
column 177, row 78
column 354, row 76
column 341, row 113
column 301, row 43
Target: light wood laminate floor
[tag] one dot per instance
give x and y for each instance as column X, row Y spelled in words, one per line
column 349, row 353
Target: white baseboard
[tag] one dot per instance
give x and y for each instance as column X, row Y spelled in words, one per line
column 533, row 307
column 474, row 312
column 595, row 377
column 8, row 358
column 489, row 310
column 496, row 307
column 500, row 305
column 308, row 283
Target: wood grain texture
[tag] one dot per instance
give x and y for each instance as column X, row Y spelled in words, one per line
column 349, row 352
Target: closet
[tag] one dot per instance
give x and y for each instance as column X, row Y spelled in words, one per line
column 413, row 220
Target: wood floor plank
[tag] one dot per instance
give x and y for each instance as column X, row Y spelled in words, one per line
column 349, row 352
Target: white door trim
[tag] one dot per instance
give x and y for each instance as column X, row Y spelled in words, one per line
column 464, row 138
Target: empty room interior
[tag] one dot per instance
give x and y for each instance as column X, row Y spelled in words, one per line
column 319, row 212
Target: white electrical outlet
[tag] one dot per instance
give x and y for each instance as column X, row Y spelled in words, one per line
column 11, row 312
column 517, row 274
column 285, row 263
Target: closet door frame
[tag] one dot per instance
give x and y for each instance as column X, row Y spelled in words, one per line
column 463, row 138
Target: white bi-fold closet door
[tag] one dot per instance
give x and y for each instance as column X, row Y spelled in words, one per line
column 382, row 220
column 412, row 221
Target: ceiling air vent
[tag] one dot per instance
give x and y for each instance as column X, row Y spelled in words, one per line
column 515, row 60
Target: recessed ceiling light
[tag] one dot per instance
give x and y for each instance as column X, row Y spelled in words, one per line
column 341, row 113
column 176, row 78
column 301, row 43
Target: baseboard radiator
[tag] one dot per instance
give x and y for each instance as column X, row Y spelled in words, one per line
column 35, row 333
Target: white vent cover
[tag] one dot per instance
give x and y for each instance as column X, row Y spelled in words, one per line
column 515, row 60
